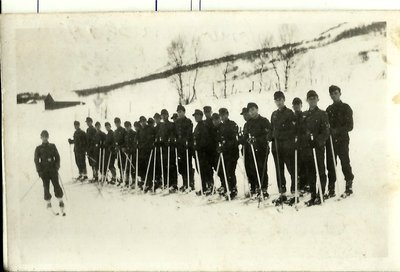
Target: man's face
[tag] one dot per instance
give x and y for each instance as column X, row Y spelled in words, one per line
column 280, row 103
column 253, row 112
column 89, row 123
column 313, row 101
column 335, row 95
column 224, row 117
column 158, row 120
column 208, row 114
column 117, row 124
column 108, row 128
column 216, row 122
column 128, row 127
column 198, row 117
column 98, row 127
column 45, row 139
column 165, row 117
column 137, row 128
column 246, row 116
column 76, row 126
column 297, row 107
column 181, row 114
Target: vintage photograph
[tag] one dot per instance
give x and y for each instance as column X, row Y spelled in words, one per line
column 202, row 141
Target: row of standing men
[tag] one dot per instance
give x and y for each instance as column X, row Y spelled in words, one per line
column 216, row 142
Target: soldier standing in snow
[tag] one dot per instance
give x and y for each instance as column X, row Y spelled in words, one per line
column 243, row 141
column 300, row 145
column 229, row 147
column 215, row 138
column 47, row 161
column 341, row 123
column 80, row 146
column 109, row 146
column 145, row 138
column 99, row 141
column 316, row 124
column 119, row 140
column 157, row 145
column 129, row 151
column 167, row 140
column 256, row 135
column 201, row 144
column 91, row 147
column 282, row 135
column 184, row 141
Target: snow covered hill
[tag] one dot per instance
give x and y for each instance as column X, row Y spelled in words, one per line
column 112, row 230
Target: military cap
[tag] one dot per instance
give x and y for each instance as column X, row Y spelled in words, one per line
column 297, row 101
column 136, row 124
column 150, row 121
column 117, row 120
column 223, row 111
column 44, row 133
column 127, row 124
column 252, row 105
column 107, row 124
column 215, row 116
column 142, row 119
column 180, row 108
column 157, row 116
column 198, row 112
column 76, row 123
column 206, row 109
column 244, row 111
column 97, row 124
column 311, row 93
column 164, row 112
column 174, row 116
column 279, row 95
column 88, row 119
column 333, row 88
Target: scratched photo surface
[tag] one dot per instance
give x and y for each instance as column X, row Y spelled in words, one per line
column 61, row 68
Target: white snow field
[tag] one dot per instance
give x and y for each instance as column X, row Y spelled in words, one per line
column 111, row 230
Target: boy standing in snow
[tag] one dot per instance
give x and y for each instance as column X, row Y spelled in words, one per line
column 47, row 161
column 341, row 122
column 80, row 146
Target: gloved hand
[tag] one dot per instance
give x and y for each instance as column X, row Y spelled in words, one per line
column 251, row 140
column 70, row 141
column 219, row 149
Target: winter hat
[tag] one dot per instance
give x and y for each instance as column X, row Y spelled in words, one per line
column 279, row 95
column 252, row 105
column 244, row 111
column 297, row 101
column 311, row 93
column 127, row 124
column 180, row 108
column 117, row 120
column 44, row 133
column 88, row 119
column 164, row 112
column 206, row 109
column 215, row 116
column 197, row 112
column 334, row 88
column 76, row 123
column 223, row 111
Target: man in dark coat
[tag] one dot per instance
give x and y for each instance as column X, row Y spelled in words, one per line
column 229, row 147
column 201, row 144
column 184, row 142
column 214, row 144
column 47, row 161
column 282, row 136
column 341, row 123
column 167, row 140
column 99, row 139
column 80, row 146
column 146, row 138
column 316, row 124
column 109, row 146
column 129, row 152
column 119, row 140
column 91, row 147
column 258, row 128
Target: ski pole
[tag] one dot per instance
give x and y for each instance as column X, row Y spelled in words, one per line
column 226, row 179
column 99, row 164
column 126, row 166
column 258, row 174
column 137, row 169
column 278, row 169
column 296, row 194
column 198, row 166
column 108, row 167
column 317, row 172
column 102, row 163
column 187, row 165
column 154, row 167
column 62, row 186
column 219, row 162
column 121, row 169
column 147, row 171
column 162, row 167
column 130, row 171
column 244, row 172
column 30, row 188
column 177, row 165
column 334, row 162
column 168, row 162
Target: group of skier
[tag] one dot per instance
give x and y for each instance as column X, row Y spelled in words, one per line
column 155, row 151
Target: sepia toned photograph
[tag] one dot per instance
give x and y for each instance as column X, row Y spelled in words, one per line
column 201, row 141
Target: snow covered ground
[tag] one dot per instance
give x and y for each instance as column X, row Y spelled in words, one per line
column 118, row 231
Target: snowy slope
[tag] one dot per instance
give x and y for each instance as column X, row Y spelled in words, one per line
column 112, row 231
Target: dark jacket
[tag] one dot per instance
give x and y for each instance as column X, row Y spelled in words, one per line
column 146, row 138
column 201, row 137
column 47, row 158
column 166, row 132
column 183, row 130
column 119, row 137
column 300, row 129
column 316, row 123
column 340, row 117
column 282, row 125
column 229, row 132
column 80, row 141
column 91, row 139
column 100, row 139
column 130, row 141
column 109, row 142
column 258, row 128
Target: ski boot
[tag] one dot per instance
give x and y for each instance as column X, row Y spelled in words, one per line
column 112, row 181
column 173, row 189
column 182, row 189
column 292, row 200
column 208, row 192
column 317, row 201
column 84, row 178
column 280, row 200
column 221, row 191
column 330, row 194
column 48, row 205
column 265, row 193
column 232, row 194
column 310, row 202
column 61, row 205
column 347, row 193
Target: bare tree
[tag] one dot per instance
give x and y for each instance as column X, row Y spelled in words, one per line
column 196, row 54
column 227, row 69
column 176, row 51
column 311, row 65
column 288, row 50
column 266, row 58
